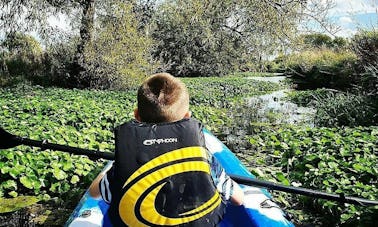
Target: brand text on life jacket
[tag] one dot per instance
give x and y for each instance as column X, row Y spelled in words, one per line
column 159, row 141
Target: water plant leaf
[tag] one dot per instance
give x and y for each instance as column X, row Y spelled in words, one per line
column 14, row 204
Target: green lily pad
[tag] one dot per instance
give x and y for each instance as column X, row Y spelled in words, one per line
column 13, row 204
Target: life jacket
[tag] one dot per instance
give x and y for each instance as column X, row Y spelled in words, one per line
column 162, row 176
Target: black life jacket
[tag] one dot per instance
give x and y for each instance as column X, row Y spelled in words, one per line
column 162, row 176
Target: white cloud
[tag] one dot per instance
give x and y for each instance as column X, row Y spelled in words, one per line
column 348, row 7
column 345, row 20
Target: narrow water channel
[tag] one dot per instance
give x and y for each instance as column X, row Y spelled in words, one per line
column 269, row 109
column 274, row 108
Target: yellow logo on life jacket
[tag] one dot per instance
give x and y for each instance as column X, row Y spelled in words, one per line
column 138, row 184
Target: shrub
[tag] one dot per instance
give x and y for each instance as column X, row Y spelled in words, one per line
column 304, row 98
column 58, row 60
column 365, row 46
column 343, row 109
column 323, row 68
column 21, row 58
column 334, row 109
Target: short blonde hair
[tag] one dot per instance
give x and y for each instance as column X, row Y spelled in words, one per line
column 162, row 98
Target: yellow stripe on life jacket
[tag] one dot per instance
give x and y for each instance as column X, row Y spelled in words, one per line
column 139, row 183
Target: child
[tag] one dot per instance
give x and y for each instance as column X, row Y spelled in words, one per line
column 162, row 174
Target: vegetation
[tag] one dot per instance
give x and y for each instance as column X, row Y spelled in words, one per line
column 108, row 64
column 334, row 160
column 21, row 59
column 337, row 109
column 115, row 44
column 323, row 68
column 320, row 41
column 134, row 38
column 86, row 119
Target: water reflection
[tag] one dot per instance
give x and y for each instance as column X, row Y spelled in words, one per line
column 274, row 108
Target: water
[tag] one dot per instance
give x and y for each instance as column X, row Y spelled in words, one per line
column 274, row 79
column 275, row 109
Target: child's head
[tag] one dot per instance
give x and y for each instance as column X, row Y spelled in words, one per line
column 162, row 98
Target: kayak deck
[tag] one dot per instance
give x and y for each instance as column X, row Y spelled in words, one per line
column 257, row 210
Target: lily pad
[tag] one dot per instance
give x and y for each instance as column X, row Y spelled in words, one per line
column 13, row 204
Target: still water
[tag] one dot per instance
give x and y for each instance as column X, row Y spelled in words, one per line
column 275, row 108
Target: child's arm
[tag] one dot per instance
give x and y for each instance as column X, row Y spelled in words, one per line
column 94, row 189
column 237, row 195
column 229, row 189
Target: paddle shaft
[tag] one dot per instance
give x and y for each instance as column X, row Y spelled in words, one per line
column 73, row 150
column 302, row 191
column 239, row 179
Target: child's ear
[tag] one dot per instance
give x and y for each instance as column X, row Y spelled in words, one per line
column 188, row 114
column 136, row 114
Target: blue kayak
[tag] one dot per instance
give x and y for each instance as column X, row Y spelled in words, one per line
column 258, row 208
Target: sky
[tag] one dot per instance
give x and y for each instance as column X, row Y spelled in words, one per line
column 351, row 15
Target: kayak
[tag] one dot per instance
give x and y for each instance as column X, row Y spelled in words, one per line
column 258, row 208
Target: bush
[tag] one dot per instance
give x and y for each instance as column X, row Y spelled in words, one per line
column 365, row 46
column 334, row 108
column 58, row 61
column 343, row 109
column 323, row 68
column 21, row 58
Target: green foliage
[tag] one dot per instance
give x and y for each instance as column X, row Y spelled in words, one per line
column 335, row 108
column 13, row 204
column 334, row 160
column 211, row 98
column 20, row 58
column 199, row 38
column 118, row 55
column 193, row 44
column 77, row 118
column 365, row 46
column 86, row 119
column 323, row 68
column 343, row 109
column 317, row 40
column 58, row 60
column 304, row 98
column 320, row 40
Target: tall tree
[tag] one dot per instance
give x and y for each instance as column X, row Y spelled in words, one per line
column 214, row 37
column 34, row 15
column 119, row 54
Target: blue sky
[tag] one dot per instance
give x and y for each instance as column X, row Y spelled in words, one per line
column 351, row 15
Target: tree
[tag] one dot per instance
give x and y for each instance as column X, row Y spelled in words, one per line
column 317, row 40
column 214, row 37
column 118, row 56
column 33, row 15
